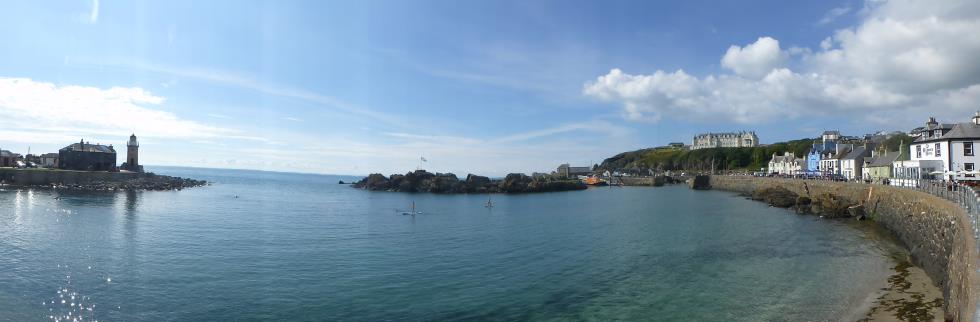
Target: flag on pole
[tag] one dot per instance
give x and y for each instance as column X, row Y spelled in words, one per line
column 424, row 160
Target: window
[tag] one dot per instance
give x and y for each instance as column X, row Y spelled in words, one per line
column 968, row 148
column 968, row 167
column 918, row 151
column 937, row 133
column 939, row 150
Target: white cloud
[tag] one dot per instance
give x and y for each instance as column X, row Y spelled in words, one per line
column 43, row 108
column 833, row 14
column 93, row 17
column 904, row 60
column 756, row 59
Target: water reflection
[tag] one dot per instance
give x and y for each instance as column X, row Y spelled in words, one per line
column 69, row 305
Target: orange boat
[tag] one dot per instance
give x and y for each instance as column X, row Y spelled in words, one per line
column 595, row 181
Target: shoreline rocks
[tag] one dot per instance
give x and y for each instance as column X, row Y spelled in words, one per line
column 827, row 205
column 448, row 183
column 144, row 181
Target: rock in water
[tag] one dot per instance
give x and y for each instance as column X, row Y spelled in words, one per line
column 422, row 181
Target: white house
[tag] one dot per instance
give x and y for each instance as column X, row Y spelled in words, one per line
column 852, row 163
column 787, row 163
column 830, row 162
column 946, row 152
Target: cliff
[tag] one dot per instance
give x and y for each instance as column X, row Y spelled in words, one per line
column 423, row 181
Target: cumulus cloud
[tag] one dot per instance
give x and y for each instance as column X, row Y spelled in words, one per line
column 36, row 107
column 903, row 57
column 756, row 59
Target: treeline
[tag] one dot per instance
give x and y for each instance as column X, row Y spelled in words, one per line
column 754, row 158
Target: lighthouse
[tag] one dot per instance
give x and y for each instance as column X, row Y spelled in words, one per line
column 132, row 155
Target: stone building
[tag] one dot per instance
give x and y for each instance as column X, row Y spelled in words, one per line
column 8, row 159
column 49, row 160
column 87, row 157
column 566, row 171
column 725, row 140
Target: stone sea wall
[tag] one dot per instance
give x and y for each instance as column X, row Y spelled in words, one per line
column 936, row 232
column 93, row 180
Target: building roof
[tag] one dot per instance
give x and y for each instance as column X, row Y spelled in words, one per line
column 5, row 153
column 885, row 160
column 856, row 153
column 831, row 133
column 959, row 131
column 740, row 133
column 87, row 147
column 964, row 131
column 786, row 157
column 49, row 155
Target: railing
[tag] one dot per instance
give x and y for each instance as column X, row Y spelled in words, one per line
column 963, row 195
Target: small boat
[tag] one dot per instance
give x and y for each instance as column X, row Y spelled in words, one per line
column 413, row 212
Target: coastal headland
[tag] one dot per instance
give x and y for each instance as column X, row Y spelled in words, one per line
column 424, row 181
column 936, row 232
column 93, row 180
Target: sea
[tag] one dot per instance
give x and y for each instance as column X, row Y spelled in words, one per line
column 257, row 245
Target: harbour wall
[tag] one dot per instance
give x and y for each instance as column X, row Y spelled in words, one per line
column 37, row 177
column 936, row 232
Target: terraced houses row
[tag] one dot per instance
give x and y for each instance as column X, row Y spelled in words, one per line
column 945, row 151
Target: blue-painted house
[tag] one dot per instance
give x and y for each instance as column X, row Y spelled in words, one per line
column 826, row 144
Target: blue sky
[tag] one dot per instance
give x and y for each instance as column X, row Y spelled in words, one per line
column 475, row 86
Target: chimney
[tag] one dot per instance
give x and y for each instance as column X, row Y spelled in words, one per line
column 932, row 121
column 976, row 118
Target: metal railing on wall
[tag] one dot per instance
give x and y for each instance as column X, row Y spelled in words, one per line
column 963, row 195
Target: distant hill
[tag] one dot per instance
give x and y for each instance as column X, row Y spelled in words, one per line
column 754, row 158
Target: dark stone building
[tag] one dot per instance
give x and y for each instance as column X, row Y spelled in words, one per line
column 8, row 159
column 87, row 157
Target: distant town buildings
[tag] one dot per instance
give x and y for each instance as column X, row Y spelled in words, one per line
column 725, row 140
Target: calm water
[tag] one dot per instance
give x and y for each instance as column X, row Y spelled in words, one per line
column 302, row 247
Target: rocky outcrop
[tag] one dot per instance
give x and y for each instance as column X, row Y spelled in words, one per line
column 423, row 181
column 776, row 197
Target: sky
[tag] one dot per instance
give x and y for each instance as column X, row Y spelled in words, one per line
column 485, row 87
